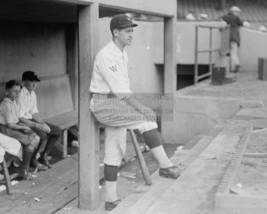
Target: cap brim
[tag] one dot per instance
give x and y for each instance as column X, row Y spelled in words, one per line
column 128, row 25
column 34, row 79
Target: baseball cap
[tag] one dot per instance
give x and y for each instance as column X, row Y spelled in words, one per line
column 30, row 75
column 121, row 21
column 235, row 9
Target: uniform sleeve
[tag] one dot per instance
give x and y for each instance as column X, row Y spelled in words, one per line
column 24, row 111
column 34, row 108
column 9, row 114
column 114, row 77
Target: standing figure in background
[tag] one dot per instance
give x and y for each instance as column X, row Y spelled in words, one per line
column 233, row 19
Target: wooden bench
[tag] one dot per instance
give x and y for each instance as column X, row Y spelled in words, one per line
column 55, row 104
column 64, row 121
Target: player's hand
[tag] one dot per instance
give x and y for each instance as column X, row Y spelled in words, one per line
column 149, row 114
column 26, row 130
column 224, row 24
column 46, row 128
column 26, row 127
column 40, row 126
column 246, row 24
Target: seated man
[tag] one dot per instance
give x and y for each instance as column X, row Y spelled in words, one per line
column 10, row 126
column 49, row 134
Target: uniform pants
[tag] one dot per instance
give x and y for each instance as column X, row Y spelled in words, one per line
column 47, row 140
column 118, row 116
column 234, row 56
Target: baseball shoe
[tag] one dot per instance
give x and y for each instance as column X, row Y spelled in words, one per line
column 45, row 162
column 170, row 172
column 111, row 205
column 37, row 166
column 25, row 174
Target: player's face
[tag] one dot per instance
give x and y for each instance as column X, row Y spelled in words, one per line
column 30, row 85
column 236, row 13
column 125, row 35
column 13, row 93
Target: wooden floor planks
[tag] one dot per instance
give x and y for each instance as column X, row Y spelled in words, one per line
column 48, row 192
column 52, row 190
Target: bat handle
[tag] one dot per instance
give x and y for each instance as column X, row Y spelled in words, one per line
column 141, row 159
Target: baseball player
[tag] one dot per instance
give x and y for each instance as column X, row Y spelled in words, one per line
column 114, row 106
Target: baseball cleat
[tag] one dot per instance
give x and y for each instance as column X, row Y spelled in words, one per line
column 111, row 205
column 170, row 172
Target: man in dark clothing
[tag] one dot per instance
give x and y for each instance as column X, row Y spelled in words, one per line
column 233, row 19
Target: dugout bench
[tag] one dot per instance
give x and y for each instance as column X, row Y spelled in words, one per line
column 55, row 105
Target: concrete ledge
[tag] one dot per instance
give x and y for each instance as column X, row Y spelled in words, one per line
column 194, row 115
column 251, row 104
column 251, row 113
column 194, row 191
column 141, row 202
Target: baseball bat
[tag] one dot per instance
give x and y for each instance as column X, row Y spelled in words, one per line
column 141, row 159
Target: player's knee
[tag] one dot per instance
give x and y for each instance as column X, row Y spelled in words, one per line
column 35, row 142
column 147, row 126
column 55, row 130
column 30, row 148
column 112, row 161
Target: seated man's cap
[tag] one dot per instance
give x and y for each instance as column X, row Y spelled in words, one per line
column 121, row 21
column 235, row 9
column 30, row 76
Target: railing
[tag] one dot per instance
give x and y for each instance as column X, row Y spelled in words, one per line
column 198, row 77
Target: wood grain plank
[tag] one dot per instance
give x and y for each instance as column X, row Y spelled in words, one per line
column 54, row 97
column 88, row 132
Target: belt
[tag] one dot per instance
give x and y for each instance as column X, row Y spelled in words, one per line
column 103, row 96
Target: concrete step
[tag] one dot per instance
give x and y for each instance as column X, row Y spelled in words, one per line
column 251, row 103
column 148, row 195
column 251, row 113
column 194, row 191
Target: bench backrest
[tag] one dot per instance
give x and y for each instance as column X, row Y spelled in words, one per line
column 53, row 95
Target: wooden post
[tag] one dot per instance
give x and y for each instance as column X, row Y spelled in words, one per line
column 72, row 61
column 170, row 74
column 65, row 142
column 88, row 134
column 170, row 78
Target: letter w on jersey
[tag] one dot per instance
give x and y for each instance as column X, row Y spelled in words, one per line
column 113, row 68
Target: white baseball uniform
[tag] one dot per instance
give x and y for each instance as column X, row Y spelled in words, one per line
column 110, row 85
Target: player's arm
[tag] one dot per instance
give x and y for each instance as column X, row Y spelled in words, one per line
column 17, row 126
column 146, row 111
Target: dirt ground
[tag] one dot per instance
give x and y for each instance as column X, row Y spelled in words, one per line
column 252, row 176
